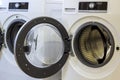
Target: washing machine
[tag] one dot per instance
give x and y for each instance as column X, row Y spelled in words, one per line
column 40, row 46
column 87, row 40
column 14, row 15
column 43, row 36
column 93, row 27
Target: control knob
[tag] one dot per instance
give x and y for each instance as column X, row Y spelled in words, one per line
column 17, row 5
column 91, row 5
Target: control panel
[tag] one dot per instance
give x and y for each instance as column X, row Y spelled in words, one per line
column 93, row 6
column 18, row 5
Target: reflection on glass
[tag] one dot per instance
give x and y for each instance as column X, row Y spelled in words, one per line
column 45, row 45
column 95, row 45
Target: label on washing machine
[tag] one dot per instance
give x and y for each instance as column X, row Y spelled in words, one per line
column 70, row 9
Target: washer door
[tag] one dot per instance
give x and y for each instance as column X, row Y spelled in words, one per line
column 41, row 47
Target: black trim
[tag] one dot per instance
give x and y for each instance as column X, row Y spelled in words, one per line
column 78, row 51
column 12, row 31
column 1, row 38
column 24, row 64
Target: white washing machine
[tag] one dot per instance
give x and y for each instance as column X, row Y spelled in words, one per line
column 93, row 40
column 93, row 27
column 14, row 15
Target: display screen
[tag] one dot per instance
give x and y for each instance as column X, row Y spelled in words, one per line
column 93, row 6
column 18, row 5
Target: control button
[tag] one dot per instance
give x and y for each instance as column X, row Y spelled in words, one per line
column 17, row 5
column 91, row 5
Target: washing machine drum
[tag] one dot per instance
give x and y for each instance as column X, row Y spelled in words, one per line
column 94, row 44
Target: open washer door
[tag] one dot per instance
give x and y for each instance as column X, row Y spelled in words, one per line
column 41, row 47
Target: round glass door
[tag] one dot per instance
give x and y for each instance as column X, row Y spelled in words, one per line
column 41, row 47
column 45, row 45
column 94, row 44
